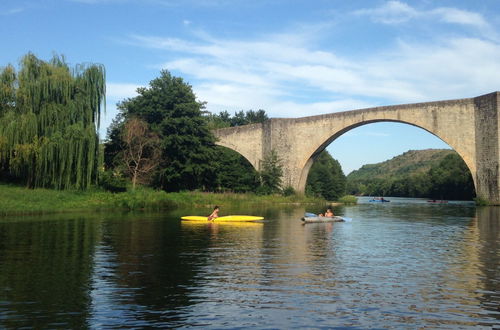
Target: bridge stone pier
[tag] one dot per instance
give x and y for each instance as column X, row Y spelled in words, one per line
column 470, row 126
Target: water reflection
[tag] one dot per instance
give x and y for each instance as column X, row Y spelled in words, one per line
column 45, row 269
column 399, row 265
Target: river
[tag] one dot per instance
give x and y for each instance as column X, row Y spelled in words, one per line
column 404, row 264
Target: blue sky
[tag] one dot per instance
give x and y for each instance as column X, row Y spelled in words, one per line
column 292, row 58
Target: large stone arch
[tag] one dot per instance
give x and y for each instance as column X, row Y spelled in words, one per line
column 310, row 160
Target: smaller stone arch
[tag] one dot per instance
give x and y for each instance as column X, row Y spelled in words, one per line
column 234, row 148
column 245, row 140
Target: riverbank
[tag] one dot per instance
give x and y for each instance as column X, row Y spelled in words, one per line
column 19, row 200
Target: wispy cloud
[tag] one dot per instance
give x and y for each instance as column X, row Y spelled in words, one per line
column 286, row 74
column 12, row 11
column 391, row 12
column 396, row 12
column 262, row 73
column 457, row 16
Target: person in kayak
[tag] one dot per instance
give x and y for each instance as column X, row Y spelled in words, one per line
column 328, row 214
column 214, row 214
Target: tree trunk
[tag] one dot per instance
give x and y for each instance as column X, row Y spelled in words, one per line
column 134, row 180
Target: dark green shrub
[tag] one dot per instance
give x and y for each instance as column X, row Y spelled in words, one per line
column 111, row 182
column 288, row 191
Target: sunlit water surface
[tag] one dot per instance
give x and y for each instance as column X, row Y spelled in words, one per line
column 403, row 264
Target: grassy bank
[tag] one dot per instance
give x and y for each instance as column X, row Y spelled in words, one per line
column 19, row 200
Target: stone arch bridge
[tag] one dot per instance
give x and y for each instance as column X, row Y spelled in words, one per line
column 470, row 126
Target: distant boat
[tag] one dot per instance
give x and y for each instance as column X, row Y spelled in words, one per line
column 379, row 200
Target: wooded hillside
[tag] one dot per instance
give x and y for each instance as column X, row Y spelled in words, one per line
column 433, row 173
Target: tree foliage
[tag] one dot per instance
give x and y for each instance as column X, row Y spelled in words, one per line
column 271, row 174
column 49, row 113
column 234, row 172
column 189, row 157
column 224, row 119
column 169, row 106
column 449, row 178
column 326, row 178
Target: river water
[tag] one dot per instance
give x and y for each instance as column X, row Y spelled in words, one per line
column 403, row 264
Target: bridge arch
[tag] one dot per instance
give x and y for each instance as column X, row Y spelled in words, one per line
column 335, row 135
column 249, row 157
column 245, row 140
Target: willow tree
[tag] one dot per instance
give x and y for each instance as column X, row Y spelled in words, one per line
column 49, row 116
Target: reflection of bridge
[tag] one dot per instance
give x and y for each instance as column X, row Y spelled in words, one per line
column 470, row 126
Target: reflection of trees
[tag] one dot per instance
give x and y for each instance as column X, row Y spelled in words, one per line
column 489, row 234
column 45, row 267
column 156, row 267
column 475, row 273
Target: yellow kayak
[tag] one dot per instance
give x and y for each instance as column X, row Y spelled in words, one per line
column 225, row 224
column 225, row 218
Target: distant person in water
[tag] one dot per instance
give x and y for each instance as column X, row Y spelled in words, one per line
column 328, row 214
column 215, row 214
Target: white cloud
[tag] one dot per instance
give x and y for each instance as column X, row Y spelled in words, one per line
column 396, row 12
column 392, row 12
column 287, row 76
column 228, row 75
column 457, row 16
column 12, row 11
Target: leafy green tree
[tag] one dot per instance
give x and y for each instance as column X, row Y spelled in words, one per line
column 271, row 174
column 451, row 179
column 49, row 113
column 234, row 172
column 168, row 105
column 224, row 119
column 113, row 144
column 239, row 119
column 258, row 116
column 326, row 178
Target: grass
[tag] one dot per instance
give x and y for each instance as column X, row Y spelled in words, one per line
column 348, row 199
column 19, row 200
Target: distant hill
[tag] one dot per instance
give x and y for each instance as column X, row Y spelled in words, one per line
column 402, row 175
column 410, row 163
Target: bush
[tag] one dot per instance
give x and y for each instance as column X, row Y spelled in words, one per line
column 111, row 182
column 288, row 191
column 263, row 190
column 481, row 201
column 348, row 199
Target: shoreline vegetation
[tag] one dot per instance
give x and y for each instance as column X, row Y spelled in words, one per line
column 16, row 200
